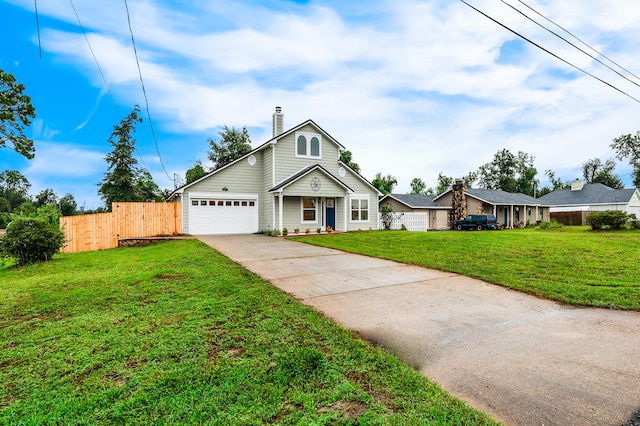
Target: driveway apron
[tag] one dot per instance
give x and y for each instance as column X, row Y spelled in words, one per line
column 524, row 360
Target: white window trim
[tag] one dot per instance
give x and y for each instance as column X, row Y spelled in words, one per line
column 302, row 210
column 308, row 137
column 360, row 197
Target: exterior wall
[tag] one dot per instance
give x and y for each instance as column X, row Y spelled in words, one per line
column 292, row 215
column 239, row 178
column 439, row 219
column 287, row 164
column 328, row 188
column 396, row 206
column 634, row 204
column 361, row 188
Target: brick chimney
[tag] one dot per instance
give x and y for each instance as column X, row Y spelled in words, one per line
column 277, row 121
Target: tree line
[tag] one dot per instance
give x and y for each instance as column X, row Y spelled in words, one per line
column 511, row 172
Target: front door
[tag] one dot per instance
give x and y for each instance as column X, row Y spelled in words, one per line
column 331, row 212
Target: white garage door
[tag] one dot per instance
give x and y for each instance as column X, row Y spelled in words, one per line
column 227, row 215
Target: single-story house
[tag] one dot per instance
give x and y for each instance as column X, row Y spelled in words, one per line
column 510, row 209
column 294, row 180
column 577, row 202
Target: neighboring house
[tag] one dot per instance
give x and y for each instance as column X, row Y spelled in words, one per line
column 511, row 210
column 582, row 199
column 294, row 180
column 437, row 216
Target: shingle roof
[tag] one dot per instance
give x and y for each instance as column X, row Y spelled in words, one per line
column 416, row 200
column 591, row 193
column 496, row 196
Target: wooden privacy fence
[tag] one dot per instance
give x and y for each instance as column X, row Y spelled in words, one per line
column 126, row 220
column 412, row 221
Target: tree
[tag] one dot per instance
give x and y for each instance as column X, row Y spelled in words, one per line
column 418, row 186
column 628, row 146
column 444, row 184
column 595, row 171
column 14, row 189
column 195, row 172
column 556, row 184
column 346, row 158
column 123, row 180
column 16, row 113
column 68, row 205
column 46, row 197
column 509, row 172
column 384, row 184
column 233, row 144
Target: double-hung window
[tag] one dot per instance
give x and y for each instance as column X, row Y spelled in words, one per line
column 359, row 208
column 309, row 210
column 308, row 145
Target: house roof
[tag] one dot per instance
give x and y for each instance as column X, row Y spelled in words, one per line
column 414, row 201
column 259, row 148
column 306, row 171
column 591, row 193
column 498, row 197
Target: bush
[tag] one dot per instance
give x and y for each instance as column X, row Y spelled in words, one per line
column 611, row 219
column 32, row 239
column 552, row 224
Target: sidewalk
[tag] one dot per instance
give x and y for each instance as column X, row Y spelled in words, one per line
column 524, row 360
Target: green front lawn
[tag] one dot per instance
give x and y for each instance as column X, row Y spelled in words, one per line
column 573, row 264
column 177, row 334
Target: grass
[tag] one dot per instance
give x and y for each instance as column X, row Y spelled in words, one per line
column 175, row 333
column 572, row 264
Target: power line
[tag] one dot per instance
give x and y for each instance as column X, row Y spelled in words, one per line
column 35, row 3
column 104, row 80
column 579, row 39
column 95, row 59
column 568, row 42
column 144, row 91
column 549, row 52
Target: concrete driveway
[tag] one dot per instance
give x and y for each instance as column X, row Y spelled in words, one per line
column 524, row 360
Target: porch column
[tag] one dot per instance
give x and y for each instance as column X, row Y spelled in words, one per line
column 273, row 210
column 347, row 206
column 537, row 214
column 280, row 198
column 512, row 216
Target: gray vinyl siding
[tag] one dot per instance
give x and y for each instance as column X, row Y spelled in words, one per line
column 287, row 164
column 240, row 177
column 328, row 188
column 360, row 187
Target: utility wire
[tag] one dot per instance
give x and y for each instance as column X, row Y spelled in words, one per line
column 35, row 3
column 104, row 80
column 579, row 39
column 144, row 92
column 95, row 59
column 549, row 52
column 573, row 45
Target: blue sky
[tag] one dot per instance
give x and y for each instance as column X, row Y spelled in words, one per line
column 412, row 88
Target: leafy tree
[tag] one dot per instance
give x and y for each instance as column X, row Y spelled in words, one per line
column 16, row 113
column 123, row 180
column 418, row 186
column 346, row 158
column 68, row 205
column 595, row 171
column 146, row 189
column 233, row 144
column 14, row 189
column 46, row 197
column 195, row 172
column 556, row 184
column 509, row 172
column 628, row 146
column 384, row 184
column 444, row 184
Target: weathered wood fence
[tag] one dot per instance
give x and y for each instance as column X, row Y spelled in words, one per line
column 126, row 220
column 570, row 218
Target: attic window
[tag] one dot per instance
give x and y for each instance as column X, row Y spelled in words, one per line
column 308, row 145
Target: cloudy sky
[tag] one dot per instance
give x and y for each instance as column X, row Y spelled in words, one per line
column 412, row 88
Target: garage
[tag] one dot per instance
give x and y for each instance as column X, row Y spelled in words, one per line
column 228, row 215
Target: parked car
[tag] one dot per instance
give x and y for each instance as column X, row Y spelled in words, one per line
column 476, row 221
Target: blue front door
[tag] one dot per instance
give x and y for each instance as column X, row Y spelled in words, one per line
column 331, row 212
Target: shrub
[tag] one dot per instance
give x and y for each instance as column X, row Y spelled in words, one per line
column 612, row 219
column 552, row 224
column 31, row 239
column 285, row 231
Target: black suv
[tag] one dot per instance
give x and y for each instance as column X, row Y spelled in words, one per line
column 476, row 221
